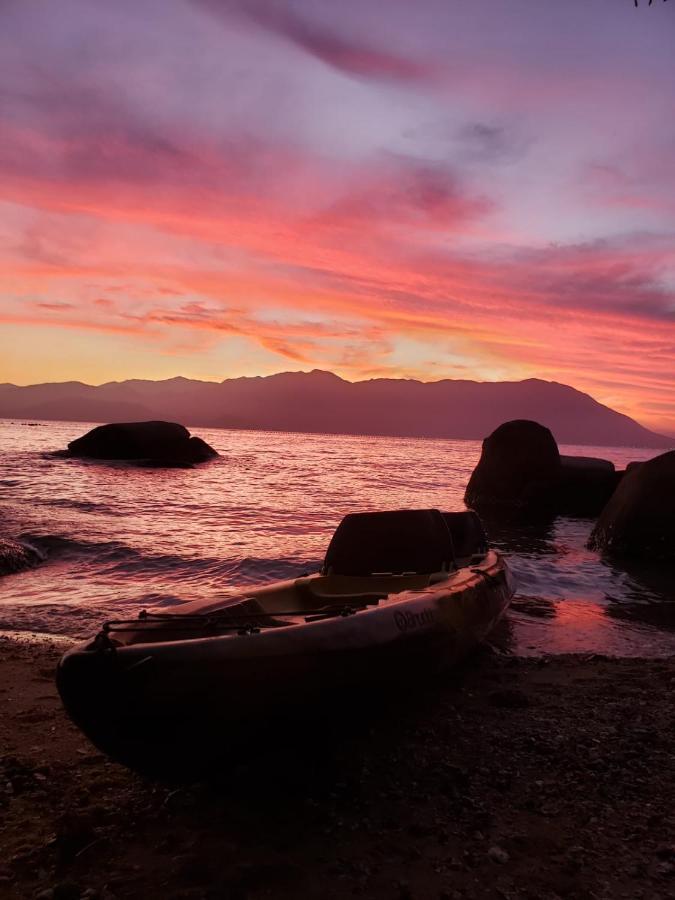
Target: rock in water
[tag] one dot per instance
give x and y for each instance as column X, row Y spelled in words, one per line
column 164, row 443
column 639, row 519
column 14, row 556
column 518, row 471
column 586, row 484
column 200, row 451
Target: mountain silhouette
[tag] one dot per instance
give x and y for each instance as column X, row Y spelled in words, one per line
column 322, row 402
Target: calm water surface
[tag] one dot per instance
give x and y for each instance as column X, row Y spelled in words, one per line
column 117, row 539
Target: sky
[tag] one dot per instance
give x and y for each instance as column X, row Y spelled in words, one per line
column 438, row 189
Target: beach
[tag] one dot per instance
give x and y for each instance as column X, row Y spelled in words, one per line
column 510, row 778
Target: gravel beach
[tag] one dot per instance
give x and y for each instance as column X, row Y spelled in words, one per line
column 514, row 778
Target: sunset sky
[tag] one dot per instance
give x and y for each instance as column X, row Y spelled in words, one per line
column 480, row 189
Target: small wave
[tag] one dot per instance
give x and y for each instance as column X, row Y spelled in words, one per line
column 57, row 545
column 83, row 505
column 37, row 550
column 249, row 570
column 252, row 569
column 160, row 600
column 118, row 558
column 26, row 636
column 49, row 618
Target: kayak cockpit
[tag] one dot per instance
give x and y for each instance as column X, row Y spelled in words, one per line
column 306, row 599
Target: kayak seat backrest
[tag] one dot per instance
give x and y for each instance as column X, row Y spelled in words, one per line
column 410, row 540
column 468, row 536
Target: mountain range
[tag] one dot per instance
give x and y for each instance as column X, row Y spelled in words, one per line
column 322, row 402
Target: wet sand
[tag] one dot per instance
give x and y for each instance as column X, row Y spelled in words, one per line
column 549, row 778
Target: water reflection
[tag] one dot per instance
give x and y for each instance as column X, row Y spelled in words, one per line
column 648, row 593
column 538, row 607
column 588, row 599
column 526, row 538
column 650, row 581
column 657, row 615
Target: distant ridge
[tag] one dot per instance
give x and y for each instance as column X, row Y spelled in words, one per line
column 322, row 402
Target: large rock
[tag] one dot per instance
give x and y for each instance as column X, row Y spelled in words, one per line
column 639, row 519
column 518, row 471
column 586, row 484
column 14, row 556
column 160, row 443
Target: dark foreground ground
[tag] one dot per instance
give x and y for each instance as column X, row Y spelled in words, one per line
column 515, row 779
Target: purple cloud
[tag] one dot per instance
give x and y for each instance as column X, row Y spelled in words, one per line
column 347, row 55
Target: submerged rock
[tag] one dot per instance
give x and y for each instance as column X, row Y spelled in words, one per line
column 15, row 556
column 161, row 443
column 586, row 484
column 639, row 519
column 518, row 471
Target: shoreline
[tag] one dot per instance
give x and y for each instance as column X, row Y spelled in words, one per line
column 514, row 778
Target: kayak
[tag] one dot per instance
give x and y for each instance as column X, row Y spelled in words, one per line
column 400, row 594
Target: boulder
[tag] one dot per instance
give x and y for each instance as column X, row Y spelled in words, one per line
column 639, row 519
column 15, row 556
column 586, row 484
column 200, row 451
column 162, row 443
column 518, row 471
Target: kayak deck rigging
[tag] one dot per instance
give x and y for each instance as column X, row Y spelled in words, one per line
column 224, row 621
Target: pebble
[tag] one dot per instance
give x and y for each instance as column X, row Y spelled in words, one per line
column 498, row 855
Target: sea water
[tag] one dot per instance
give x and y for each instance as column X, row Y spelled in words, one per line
column 117, row 539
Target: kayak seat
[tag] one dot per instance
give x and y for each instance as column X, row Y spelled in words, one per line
column 251, row 606
column 400, row 542
column 313, row 598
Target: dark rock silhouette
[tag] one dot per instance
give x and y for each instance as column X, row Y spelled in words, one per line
column 321, row 402
column 521, row 473
column 15, row 556
column 586, row 484
column 200, row 450
column 518, row 471
column 639, row 520
column 153, row 443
